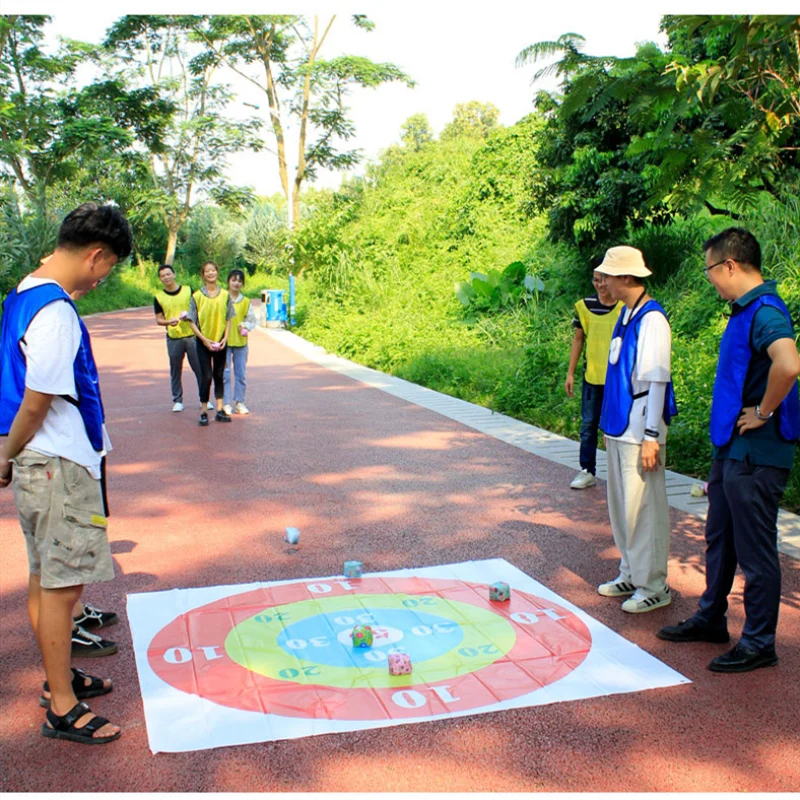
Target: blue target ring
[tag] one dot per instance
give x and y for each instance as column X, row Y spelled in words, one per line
column 318, row 638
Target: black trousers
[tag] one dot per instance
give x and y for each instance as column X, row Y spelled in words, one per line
column 212, row 366
column 741, row 528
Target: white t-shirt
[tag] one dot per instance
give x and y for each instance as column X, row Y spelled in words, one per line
column 50, row 346
column 653, row 355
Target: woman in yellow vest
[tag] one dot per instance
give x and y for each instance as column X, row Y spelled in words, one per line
column 210, row 314
column 244, row 320
column 595, row 318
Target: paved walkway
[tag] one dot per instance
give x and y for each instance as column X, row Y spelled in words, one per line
column 534, row 440
column 365, row 473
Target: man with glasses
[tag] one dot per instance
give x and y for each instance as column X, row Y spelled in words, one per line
column 52, row 415
column 755, row 424
column 595, row 318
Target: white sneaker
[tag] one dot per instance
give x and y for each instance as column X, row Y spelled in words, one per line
column 583, row 480
column 639, row 604
column 177, row 407
column 210, row 405
column 616, row 588
column 228, row 410
column 241, row 408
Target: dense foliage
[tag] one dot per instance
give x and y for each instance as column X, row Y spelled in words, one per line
column 387, row 259
column 152, row 125
column 711, row 123
column 455, row 262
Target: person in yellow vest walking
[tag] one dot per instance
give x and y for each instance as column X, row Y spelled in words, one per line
column 244, row 320
column 169, row 303
column 595, row 318
column 210, row 314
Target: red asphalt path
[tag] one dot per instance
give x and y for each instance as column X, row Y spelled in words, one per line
column 365, row 475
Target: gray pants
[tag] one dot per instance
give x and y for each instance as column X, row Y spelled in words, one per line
column 639, row 512
column 176, row 349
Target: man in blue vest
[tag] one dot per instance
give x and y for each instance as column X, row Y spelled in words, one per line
column 755, row 423
column 638, row 403
column 51, row 414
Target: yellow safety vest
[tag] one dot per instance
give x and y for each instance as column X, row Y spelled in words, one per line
column 235, row 339
column 172, row 305
column 212, row 313
column 598, row 329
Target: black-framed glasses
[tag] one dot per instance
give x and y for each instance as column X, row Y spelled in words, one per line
column 711, row 266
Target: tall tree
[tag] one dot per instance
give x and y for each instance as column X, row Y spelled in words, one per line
column 46, row 124
column 710, row 123
column 584, row 179
column 156, row 53
column 741, row 75
column 281, row 55
column 416, row 132
column 473, row 119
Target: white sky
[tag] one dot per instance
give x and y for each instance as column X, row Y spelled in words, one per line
column 456, row 52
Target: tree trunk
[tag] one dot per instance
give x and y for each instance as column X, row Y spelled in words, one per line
column 139, row 260
column 295, row 203
column 172, row 243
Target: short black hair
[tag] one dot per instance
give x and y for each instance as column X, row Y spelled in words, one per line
column 737, row 244
column 91, row 223
column 166, row 266
column 236, row 273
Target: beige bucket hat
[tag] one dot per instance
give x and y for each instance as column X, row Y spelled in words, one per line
column 624, row 260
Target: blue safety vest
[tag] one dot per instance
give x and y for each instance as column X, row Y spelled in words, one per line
column 618, row 396
column 735, row 354
column 19, row 309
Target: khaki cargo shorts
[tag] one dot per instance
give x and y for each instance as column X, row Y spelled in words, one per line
column 61, row 512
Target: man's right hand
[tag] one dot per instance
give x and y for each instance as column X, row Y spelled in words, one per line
column 569, row 385
column 173, row 322
column 5, row 472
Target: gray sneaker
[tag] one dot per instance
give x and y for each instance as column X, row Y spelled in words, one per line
column 583, row 480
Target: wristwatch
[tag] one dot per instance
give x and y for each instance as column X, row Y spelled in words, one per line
column 759, row 415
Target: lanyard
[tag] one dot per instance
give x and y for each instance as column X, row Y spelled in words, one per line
column 624, row 325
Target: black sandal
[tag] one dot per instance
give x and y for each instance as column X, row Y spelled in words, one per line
column 79, row 687
column 64, row 727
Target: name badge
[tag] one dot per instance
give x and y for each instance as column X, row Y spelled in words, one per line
column 616, row 347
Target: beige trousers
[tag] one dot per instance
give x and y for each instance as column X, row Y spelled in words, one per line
column 639, row 513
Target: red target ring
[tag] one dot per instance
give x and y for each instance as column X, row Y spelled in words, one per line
column 190, row 654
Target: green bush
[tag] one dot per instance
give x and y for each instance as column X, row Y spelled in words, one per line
column 389, row 303
column 498, row 289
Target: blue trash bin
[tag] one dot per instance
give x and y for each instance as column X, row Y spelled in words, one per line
column 275, row 307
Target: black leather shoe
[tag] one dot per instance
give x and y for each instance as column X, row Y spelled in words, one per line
column 743, row 659
column 691, row 631
column 221, row 416
column 203, row 420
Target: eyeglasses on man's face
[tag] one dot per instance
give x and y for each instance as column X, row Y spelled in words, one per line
column 711, row 266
